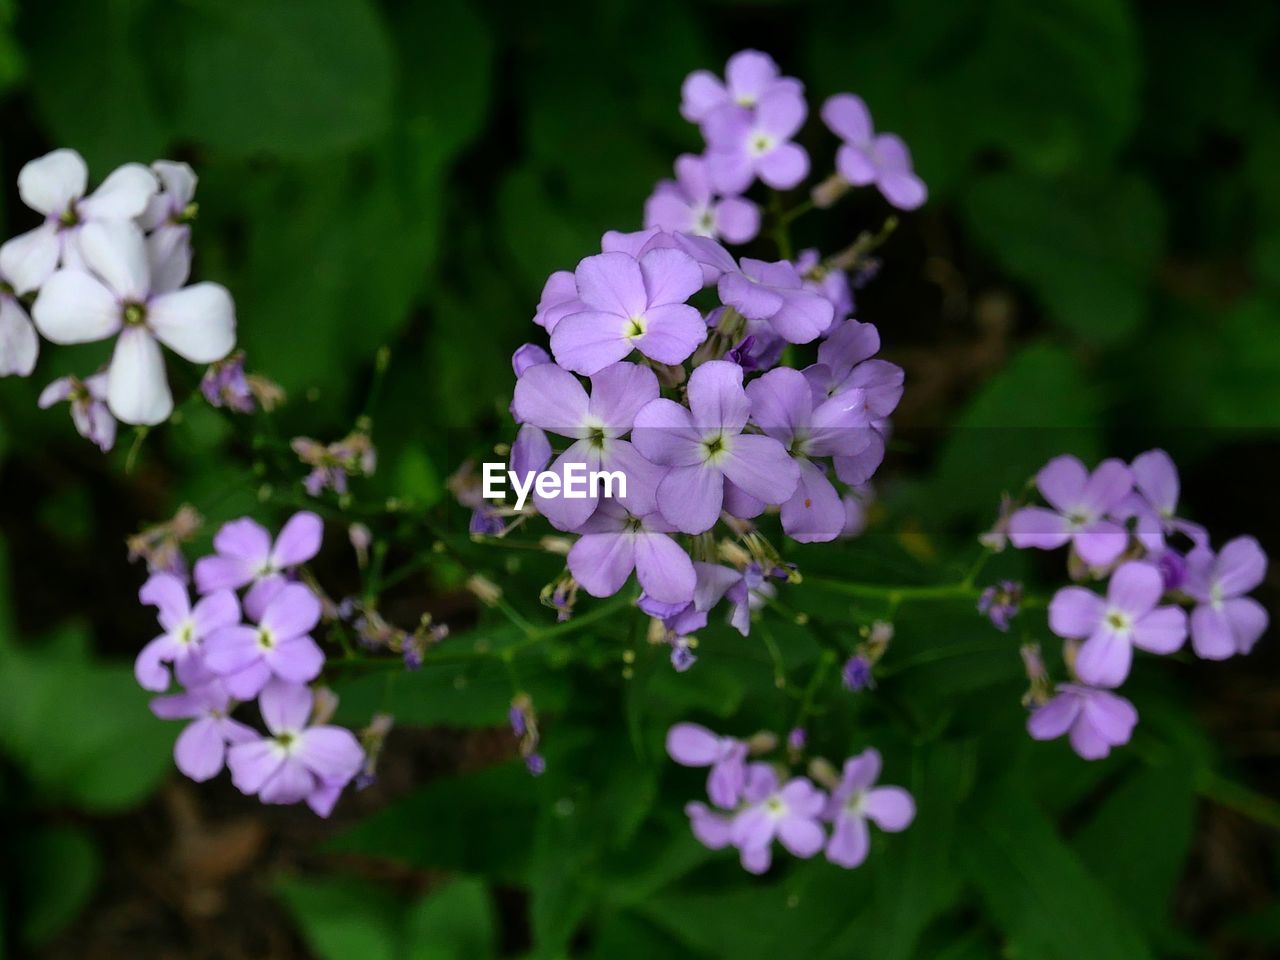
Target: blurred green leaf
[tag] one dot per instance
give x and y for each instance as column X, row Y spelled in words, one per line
column 1039, row 406
column 1087, row 250
column 1244, row 386
column 293, row 78
column 90, row 81
column 1044, row 899
column 452, row 923
column 60, row 871
column 342, row 918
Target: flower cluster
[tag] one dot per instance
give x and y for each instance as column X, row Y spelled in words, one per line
column 227, row 649
column 754, row 803
column 666, row 366
column 113, row 263
column 1164, row 582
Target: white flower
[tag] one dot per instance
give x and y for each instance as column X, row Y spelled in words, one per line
column 54, row 185
column 120, row 297
column 19, row 345
column 167, row 220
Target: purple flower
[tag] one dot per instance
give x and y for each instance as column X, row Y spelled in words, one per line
column 296, row 762
column 789, row 813
column 691, row 745
column 1000, row 603
column 615, row 542
column 1154, row 503
column 866, row 158
column 855, row 801
column 631, row 304
column 1097, row 720
column 712, row 830
column 1226, row 622
column 201, row 748
column 225, row 385
column 782, row 405
column 857, row 675
column 552, row 399
column 845, row 363
column 743, row 144
column 830, row 282
column 186, row 628
column 707, row 451
column 559, row 299
column 89, row 412
column 1081, row 504
column 689, row 205
column 280, row 645
column 749, row 75
column 247, row 555
column 775, row 292
column 528, row 355
column 1129, row 617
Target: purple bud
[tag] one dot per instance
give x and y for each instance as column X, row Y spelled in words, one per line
column 516, row 717
column 528, row 355
column 797, row 739
column 1173, row 568
column 535, row 764
column 1000, row 603
column 857, row 673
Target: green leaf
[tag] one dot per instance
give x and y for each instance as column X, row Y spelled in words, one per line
column 342, row 918
column 1039, row 406
column 294, row 78
column 476, row 823
column 90, row 82
column 453, row 923
column 60, row 870
column 1044, row 899
column 1088, row 250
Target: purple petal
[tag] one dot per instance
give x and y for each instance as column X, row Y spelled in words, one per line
column 753, row 300
column 612, row 283
column 1240, row 567
column 815, row 513
column 601, row 562
column 1100, row 543
column 749, row 74
column 850, row 841
column 856, row 164
column 762, row 467
column 737, row 220
column 297, row 660
column 672, row 333
column 200, row 750
column 618, row 392
column 588, row 342
column 802, row 837
column 215, row 611
column 701, row 93
column 1104, row 659
column 246, row 539
column 253, row 764
column 530, row 452
column 890, row 808
column 710, row 829
column 781, row 403
column 1157, row 478
column 784, row 166
column 1248, row 619
column 1062, row 481
column 285, row 706
column 232, row 649
column 551, row 398
column 1163, row 630
column 168, row 594
column 716, row 397
column 1106, row 487
column 663, row 568
column 1054, row 718
column 1038, row 527
column 567, row 513
column 299, row 541
column 293, row 611
column 692, row 745
column 848, row 118
column 149, row 667
column 291, row 783
column 861, row 772
column 331, row 753
column 1135, row 588
column 664, row 434
column 690, row 497
column 670, row 276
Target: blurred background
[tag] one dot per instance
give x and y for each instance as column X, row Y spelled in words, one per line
column 1097, row 270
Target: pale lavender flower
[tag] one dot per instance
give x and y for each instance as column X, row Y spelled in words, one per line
column 19, row 345
column 1225, row 622
column 749, row 75
column 692, row 745
column 89, row 412
column 246, row 554
column 1128, row 617
column 116, row 293
column 1000, row 602
column 857, row 800
column 614, row 542
column 631, row 304
column 866, row 158
column 552, row 399
column 167, row 220
column 297, row 761
column 690, row 205
column 280, row 646
column 186, row 630
column 782, row 405
column 1153, row 504
column 1096, row 720
column 559, row 299
column 54, row 185
column 1081, row 503
column 789, row 813
column 707, row 451
column 743, row 144
column 201, row 748
column 775, row 293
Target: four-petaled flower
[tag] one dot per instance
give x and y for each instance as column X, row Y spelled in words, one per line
column 186, row 629
column 692, row 745
column 1096, row 720
column 865, row 157
column 789, row 813
column 246, row 554
column 1226, row 622
column 1082, row 502
column 856, row 800
column 280, row 645
column 689, row 205
column 614, row 542
column 201, row 748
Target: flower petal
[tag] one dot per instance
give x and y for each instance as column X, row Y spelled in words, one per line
column 602, row 562
column 200, row 750
column 50, row 184
column 137, row 387
column 28, row 260
column 116, row 251
column 198, row 322
column 75, row 307
column 889, row 808
column 298, row 541
column 285, row 706
column 331, row 753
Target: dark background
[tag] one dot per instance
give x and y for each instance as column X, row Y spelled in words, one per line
column 1097, row 270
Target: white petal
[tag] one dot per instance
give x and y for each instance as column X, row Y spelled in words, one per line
column 19, row 345
column 169, row 251
column 179, row 181
column 53, row 182
column 55, row 392
column 137, row 389
column 75, row 307
column 123, row 195
column 117, row 252
column 197, row 322
column 27, row 260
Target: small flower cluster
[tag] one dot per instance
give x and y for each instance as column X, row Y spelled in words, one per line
column 754, row 803
column 1121, row 523
column 113, row 263
column 227, row 649
column 681, row 347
